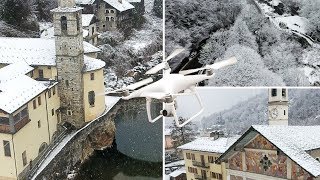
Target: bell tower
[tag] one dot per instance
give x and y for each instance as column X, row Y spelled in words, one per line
column 69, row 60
column 278, row 106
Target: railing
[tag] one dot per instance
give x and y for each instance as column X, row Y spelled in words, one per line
column 200, row 164
column 199, row 177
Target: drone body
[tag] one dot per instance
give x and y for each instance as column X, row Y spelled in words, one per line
column 170, row 86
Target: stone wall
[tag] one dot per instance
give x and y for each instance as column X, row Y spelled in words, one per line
column 99, row 134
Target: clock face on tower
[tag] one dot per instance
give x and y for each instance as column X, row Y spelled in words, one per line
column 274, row 113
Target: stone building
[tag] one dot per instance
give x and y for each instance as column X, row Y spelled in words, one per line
column 45, row 83
column 111, row 14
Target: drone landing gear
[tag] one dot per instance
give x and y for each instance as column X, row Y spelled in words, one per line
column 170, row 110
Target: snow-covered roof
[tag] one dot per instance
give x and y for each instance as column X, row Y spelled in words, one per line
column 92, row 64
column 84, row 2
column 87, row 19
column 176, row 163
column 125, row 5
column 13, row 70
column 66, row 9
column 208, row 144
column 294, row 141
column 18, row 91
column 34, row 51
column 178, row 172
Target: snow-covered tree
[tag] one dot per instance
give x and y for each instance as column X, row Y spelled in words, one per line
column 294, row 77
column 182, row 135
column 311, row 10
column 214, row 48
column 248, row 71
column 252, row 17
column 240, row 34
column 43, row 8
column 15, row 11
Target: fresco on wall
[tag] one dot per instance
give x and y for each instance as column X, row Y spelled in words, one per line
column 232, row 177
column 261, row 143
column 235, row 162
column 269, row 164
column 299, row 173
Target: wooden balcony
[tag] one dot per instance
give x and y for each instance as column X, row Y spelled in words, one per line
column 5, row 129
column 19, row 125
column 200, row 164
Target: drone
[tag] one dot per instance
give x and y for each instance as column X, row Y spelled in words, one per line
column 171, row 86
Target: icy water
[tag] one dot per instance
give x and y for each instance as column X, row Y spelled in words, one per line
column 114, row 165
column 136, row 152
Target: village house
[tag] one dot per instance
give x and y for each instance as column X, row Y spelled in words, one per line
column 45, row 83
column 112, row 14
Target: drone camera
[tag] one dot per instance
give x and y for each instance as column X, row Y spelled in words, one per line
column 164, row 112
column 168, row 99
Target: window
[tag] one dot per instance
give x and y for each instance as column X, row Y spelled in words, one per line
column 34, row 104
column 111, row 11
column 107, row 11
column 188, row 156
column 193, row 157
column 78, row 23
column 67, row 83
column 193, row 170
column 64, row 24
column 69, row 112
column 24, row 158
column 91, row 98
column 92, row 76
column 49, row 67
column 265, row 163
column 107, row 19
column 49, row 93
column 112, row 18
column 40, row 73
column 211, row 159
column 284, row 112
column 273, row 92
column 216, row 175
column 284, row 94
column 92, row 30
column 52, row 112
column 39, row 100
column 4, row 120
column 24, row 113
column 42, row 147
column 39, row 124
column 6, row 146
column 54, row 90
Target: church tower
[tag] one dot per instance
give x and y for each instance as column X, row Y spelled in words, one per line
column 69, row 60
column 278, row 106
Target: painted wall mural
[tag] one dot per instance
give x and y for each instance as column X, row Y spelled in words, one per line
column 232, row 177
column 299, row 173
column 269, row 164
column 261, row 143
column 235, row 162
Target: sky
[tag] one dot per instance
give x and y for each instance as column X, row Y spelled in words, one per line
column 214, row 100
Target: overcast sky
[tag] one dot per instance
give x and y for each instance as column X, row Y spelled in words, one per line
column 214, row 100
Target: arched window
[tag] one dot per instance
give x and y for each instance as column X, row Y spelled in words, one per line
column 107, row 11
column 112, row 18
column 111, row 11
column 64, row 24
column 43, row 147
column 91, row 98
column 107, row 19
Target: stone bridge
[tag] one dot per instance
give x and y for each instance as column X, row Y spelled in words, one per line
column 124, row 121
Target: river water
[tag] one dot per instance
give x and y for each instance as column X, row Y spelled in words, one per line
column 137, row 150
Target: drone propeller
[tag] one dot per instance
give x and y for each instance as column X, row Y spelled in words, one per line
column 164, row 64
column 214, row 66
column 131, row 86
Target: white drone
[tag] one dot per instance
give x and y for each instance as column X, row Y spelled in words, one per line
column 170, row 86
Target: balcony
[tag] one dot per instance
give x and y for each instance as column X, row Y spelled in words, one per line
column 200, row 164
column 20, row 124
column 5, row 128
column 199, row 177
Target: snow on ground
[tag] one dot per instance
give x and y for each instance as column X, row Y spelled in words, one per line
column 295, row 23
column 110, row 102
column 312, row 75
column 45, row 25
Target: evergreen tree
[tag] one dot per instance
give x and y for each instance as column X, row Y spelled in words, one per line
column 182, row 135
column 15, row 12
column 157, row 8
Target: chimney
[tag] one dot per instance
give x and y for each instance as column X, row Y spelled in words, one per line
column 216, row 134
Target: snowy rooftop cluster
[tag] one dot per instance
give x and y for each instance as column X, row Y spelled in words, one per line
column 87, row 19
column 85, row 2
column 121, row 6
column 208, row 144
column 34, row 51
column 18, row 91
column 294, row 141
column 178, row 172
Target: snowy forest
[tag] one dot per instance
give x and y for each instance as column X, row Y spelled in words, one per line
column 276, row 42
column 303, row 110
